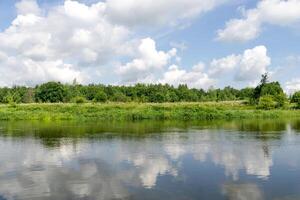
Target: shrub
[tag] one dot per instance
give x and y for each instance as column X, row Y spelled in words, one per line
column 12, row 98
column 281, row 100
column 120, row 97
column 79, row 100
column 266, row 102
column 100, row 97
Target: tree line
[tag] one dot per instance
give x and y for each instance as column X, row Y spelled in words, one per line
column 267, row 94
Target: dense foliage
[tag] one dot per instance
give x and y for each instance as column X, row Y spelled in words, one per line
column 296, row 99
column 51, row 92
column 266, row 95
column 158, row 93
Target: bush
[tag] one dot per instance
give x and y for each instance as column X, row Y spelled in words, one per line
column 79, row 100
column 281, row 100
column 266, row 102
column 100, row 97
column 120, row 97
column 12, row 98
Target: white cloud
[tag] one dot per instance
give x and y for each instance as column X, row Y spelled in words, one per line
column 241, row 29
column 246, row 67
column 253, row 63
column 292, row 86
column 223, row 65
column 288, row 73
column 85, row 37
column 195, row 78
column 149, row 12
column 27, row 7
column 61, row 45
column 21, row 70
column 83, row 12
column 275, row 12
column 148, row 60
column 76, row 40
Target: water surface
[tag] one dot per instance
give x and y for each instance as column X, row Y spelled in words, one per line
column 230, row 160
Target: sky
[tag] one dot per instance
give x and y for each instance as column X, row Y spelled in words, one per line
column 201, row 43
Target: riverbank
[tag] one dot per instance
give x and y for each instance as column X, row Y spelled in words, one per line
column 139, row 111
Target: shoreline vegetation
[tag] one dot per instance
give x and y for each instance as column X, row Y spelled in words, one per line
column 57, row 101
column 141, row 111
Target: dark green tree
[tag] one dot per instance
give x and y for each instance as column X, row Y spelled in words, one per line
column 270, row 90
column 52, row 92
column 296, row 99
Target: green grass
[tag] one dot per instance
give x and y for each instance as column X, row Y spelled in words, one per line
column 142, row 111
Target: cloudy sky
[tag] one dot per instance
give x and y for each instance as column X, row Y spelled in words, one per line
column 201, row 43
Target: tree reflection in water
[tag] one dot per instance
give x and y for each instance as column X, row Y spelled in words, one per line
column 145, row 160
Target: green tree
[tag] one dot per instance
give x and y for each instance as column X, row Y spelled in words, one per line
column 28, row 97
column 270, row 91
column 51, row 92
column 296, row 98
column 246, row 94
column 258, row 89
column 172, row 96
column 272, row 88
column 100, row 96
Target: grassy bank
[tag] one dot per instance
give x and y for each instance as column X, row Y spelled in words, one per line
column 135, row 111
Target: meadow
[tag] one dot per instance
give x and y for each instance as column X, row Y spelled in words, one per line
column 140, row 111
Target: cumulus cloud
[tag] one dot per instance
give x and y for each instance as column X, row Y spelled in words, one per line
column 224, row 65
column 149, row 12
column 275, row 12
column 253, row 63
column 244, row 67
column 195, row 78
column 19, row 70
column 148, row 60
column 74, row 35
column 288, row 73
column 27, row 7
column 292, row 86
column 73, row 39
column 76, row 40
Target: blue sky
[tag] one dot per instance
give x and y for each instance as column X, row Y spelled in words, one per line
column 201, row 43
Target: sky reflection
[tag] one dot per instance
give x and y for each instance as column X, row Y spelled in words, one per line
column 151, row 167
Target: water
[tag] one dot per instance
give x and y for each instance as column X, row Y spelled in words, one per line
column 238, row 160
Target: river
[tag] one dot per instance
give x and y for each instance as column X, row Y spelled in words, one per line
column 230, row 160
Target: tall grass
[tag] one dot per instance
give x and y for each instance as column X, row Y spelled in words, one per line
column 136, row 111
